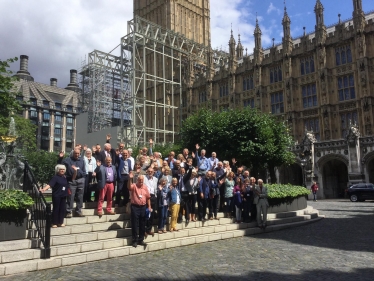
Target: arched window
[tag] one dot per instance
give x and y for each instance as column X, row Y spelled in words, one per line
column 337, row 56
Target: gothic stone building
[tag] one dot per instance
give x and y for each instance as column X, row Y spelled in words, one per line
column 51, row 108
column 319, row 83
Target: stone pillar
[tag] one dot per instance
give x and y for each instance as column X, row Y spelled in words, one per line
column 51, row 131
column 63, row 132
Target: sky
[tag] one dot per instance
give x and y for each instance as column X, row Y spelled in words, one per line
column 57, row 35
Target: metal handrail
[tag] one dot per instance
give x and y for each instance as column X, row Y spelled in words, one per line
column 41, row 214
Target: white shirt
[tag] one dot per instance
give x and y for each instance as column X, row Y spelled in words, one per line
column 132, row 160
column 151, row 183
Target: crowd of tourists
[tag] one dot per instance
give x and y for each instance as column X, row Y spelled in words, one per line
column 152, row 187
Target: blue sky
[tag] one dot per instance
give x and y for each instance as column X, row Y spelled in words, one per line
column 57, row 35
column 242, row 15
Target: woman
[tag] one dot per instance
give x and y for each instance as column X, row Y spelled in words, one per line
column 163, row 204
column 192, row 186
column 175, row 201
column 166, row 175
column 229, row 188
column 90, row 165
column 59, row 185
column 181, row 158
column 237, row 194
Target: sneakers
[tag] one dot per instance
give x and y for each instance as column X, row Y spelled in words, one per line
column 68, row 215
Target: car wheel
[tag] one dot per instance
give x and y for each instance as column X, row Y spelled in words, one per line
column 354, row 198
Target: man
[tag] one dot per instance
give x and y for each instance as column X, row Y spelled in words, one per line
column 151, row 183
column 170, row 159
column 96, row 151
column 76, row 185
column 253, row 210
column 106, row 176
column 213, row 161
column 203, row 163
column 108, row 151
column 140, row 198
column 314, row 189
column 219, row 171
column 124, row 168
column 175, row 171
column 131, row 158
column 185, row 154
column 182, row 178
column 262, row 204
column 204, row 194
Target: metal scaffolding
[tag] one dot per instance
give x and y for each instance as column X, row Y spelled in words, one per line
column 145, row 83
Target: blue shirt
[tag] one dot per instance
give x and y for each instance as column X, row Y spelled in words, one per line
column 203, row 163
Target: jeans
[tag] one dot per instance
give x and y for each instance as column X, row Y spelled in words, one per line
column 213, row 206
column 137, row 222
column 59, row 209
column 75, row 186
column 314, row 196
column 238, row 213
column 149, row 222
column 229, row 206
column 162, row 216
column 247, row 205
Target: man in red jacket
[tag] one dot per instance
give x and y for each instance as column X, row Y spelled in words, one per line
column 314, row 189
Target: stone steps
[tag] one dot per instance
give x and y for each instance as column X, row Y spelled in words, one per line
column 92, row 238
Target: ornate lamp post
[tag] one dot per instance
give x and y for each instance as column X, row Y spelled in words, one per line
column 303, row 164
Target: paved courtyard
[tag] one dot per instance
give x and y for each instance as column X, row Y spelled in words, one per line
column 340, row 247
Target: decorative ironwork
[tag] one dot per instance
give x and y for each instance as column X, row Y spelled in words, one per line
column 41, row 214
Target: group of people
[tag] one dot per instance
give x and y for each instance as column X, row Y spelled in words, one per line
column 155, row 187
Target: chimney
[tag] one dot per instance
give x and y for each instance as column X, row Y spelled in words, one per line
column 24, row 64
column 73, row 85
column 23, row 72
column 54, row 82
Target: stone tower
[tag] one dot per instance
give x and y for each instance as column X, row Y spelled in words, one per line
column 189, row 17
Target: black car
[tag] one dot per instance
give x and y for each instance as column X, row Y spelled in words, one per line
column 361, row 192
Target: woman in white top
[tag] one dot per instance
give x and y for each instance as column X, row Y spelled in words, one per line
column 90, row 165
column 192, row 185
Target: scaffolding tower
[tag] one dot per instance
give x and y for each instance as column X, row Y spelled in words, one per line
column 145, row 83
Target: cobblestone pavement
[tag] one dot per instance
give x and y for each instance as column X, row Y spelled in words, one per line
column 340, row 247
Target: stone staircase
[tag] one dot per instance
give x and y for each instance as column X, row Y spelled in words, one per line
column 92, row 238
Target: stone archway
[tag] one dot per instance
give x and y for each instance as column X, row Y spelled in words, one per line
column 335, row 178
column 292, row 174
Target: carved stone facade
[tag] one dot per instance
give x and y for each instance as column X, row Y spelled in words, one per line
column 319, row 83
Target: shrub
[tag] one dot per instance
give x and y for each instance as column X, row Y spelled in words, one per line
column 285, row 193
column 13, row 205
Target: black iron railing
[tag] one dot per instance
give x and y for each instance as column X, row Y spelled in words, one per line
column 41, row 214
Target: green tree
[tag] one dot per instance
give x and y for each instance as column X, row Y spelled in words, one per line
column 8, row 100
column 257, row 140
column 10, row 107
column 42, row 164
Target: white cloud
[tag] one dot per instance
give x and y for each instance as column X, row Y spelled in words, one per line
column 272, row 8
column 57, row 35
